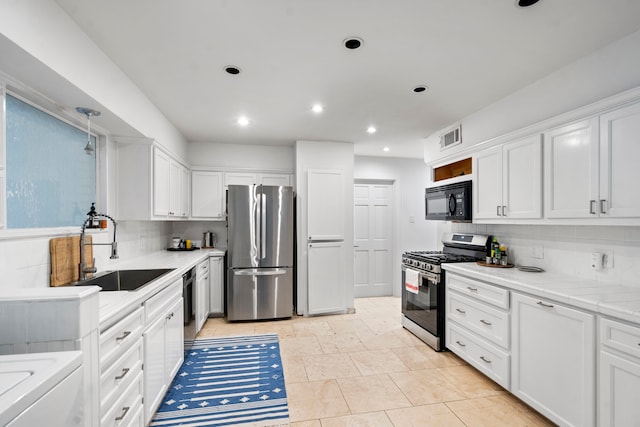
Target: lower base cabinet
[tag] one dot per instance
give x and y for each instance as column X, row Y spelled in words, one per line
column 553, row 360
column 163, row 346
column 619, row 387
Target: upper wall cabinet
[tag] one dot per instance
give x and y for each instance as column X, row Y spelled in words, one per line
column 151, row 183
column 589, row 167
column 325, row 208
column 571, row 170
column 248, row 178
column 619, row 155
column 508, row 180
column 207, row 195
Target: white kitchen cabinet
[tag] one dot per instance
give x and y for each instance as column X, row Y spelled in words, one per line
column 202, row 291
column 216, row 286
column 478, row 326
column 326, row 277
column 240, row 178
column 163, row 344
column 619, row 380
column 151, row 184
column 263, row 178
column 553, row 359
column 275, row 179
column 325, row 205
column 163, row 182
column 589, row 168
column 571, row 170
column 508, row 180
column 207, row 195
column 619, row 174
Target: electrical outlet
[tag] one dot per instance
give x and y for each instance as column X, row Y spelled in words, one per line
column 607, row 259
column 597, row 261
column 537, row 252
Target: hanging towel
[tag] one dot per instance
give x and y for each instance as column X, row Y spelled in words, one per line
column 412, row 280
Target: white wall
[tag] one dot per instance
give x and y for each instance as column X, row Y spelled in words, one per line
column 605, row 72
column 241, row 156
column 409, row 178
column 567, row 249
column 45, row 31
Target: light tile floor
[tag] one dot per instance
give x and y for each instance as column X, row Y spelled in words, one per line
column 364, row 369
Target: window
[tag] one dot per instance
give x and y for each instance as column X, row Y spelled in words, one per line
column 50, row 180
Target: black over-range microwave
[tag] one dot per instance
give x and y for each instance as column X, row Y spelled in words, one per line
column 450, row 202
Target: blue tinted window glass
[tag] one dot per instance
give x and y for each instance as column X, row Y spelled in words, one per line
column 51, row 181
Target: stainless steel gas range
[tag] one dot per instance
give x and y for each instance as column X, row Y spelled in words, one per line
column 423, row 311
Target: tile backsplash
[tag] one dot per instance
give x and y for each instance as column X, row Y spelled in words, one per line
column 567, row 249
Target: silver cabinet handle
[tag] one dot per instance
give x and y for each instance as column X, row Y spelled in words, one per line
column 170, row 316
column 485, row 360
column 124, row 335
column 504, row 211
column 461, row 311
column 485, row 322
column 603, row 206
column 498, row 210
column 124, row 413
column 545, row 305
column 592, row 208
column 472, row 289
column 125, row 371
column 461, row 344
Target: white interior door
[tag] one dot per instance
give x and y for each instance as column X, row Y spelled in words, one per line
column 373, row 239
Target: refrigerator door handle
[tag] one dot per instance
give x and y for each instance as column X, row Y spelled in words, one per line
column 256, row 225
column 277, row 272
column 263, row 226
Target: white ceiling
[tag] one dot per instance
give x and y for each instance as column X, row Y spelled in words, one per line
column 469, row 53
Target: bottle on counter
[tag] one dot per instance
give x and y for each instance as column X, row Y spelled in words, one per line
column 503, row 255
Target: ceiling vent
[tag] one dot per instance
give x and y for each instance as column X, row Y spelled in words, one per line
column 451, row 138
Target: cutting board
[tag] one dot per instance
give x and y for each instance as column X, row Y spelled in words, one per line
column 65, row 259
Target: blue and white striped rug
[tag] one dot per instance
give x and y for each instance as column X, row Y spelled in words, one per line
column 230, row 381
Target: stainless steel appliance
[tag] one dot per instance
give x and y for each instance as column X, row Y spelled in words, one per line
column 423, row 298
column 450, row 202
column 188, row 280
column 260, row 252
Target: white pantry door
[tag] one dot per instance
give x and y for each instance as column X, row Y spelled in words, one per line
column 373, row 239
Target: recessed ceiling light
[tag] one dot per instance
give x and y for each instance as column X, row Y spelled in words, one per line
column 232, row 69
column 243, row 121
column 421, row 88
column 317, row 108
column 352, row 42
column 385, row 149
column 371, row 129
column 527, row 3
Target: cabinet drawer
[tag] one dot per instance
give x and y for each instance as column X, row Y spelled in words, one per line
column 479, row 290
column 117, row 377
column 203, row 268
column 123, row 412
column 488, row 359
column 157, row 304
column 118, row 338
column 624, row 338
column 137, row 419
column 484, row 320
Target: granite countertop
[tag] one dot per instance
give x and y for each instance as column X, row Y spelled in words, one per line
column 113, row 305
column 617, row 301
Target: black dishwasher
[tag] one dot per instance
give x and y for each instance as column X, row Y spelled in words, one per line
column 188, row 280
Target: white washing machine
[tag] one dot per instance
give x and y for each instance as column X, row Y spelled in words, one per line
column 36, row 387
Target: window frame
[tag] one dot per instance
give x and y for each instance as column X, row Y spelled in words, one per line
column 41, row 103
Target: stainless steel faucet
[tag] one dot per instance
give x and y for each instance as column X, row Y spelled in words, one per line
column 84, row 270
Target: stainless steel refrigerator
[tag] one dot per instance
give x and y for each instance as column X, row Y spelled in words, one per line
column 260, row 252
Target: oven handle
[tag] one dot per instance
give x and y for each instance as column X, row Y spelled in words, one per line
column 426, row 274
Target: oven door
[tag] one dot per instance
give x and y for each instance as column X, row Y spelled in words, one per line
column 422, row 308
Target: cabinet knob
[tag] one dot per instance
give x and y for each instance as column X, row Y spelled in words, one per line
column 544, row 305
column 461, row 344
column 472, row 289
column 485, row 322
column 461, row 311
column 124, row 413
column 125, row 371
column 485, row 360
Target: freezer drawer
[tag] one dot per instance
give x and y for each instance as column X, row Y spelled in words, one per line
column 259, row 293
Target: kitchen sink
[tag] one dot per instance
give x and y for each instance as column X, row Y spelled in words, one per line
column 124, row 280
